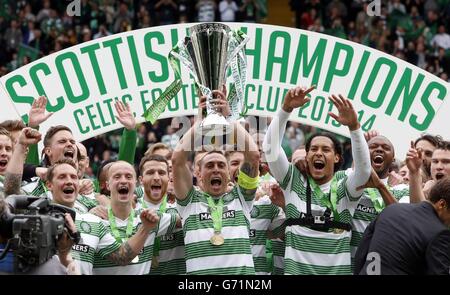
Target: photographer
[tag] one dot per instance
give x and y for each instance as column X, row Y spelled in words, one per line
column 62, row 181
column 60, row 264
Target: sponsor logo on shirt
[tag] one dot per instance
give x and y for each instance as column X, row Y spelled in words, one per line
column 366, row 209
column 80, row 248
column 252, row 233
column 170, row 237
column 225, row 215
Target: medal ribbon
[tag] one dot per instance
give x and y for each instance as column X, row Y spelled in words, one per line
column 216, row 213
column 376, row 199
column 162, row 209
column 115, row 231
column 327, row 202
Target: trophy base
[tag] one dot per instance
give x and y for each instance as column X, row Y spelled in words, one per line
column 215, row 124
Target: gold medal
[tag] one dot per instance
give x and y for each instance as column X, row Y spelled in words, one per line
column 135, row 259
column 217, row 239
column 338, row 231
column 155, row 262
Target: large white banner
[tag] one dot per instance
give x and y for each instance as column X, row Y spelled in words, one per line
column 82, row 82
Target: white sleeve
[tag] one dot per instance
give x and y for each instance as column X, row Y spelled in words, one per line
column 275, row 156
column 166, row 224
column 361, row 158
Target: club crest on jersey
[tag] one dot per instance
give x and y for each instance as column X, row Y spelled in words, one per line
column 172, row 211
column 85, row 227
column 228, row 198
column 255, row 212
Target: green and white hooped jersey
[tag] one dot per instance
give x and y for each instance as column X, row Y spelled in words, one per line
column 234, row 256
column 278, row 248
column 95, row 239
column 35, row 188
column 139, row 191
column 171, row 259
column 142, row 264
column 265, row 216
column 315, row 252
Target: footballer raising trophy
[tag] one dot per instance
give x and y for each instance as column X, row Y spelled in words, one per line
column 208, row 53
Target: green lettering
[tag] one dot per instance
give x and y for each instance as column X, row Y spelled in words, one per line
column 259, row 99
column 157, row 57
column 102, row 119
column 358, row 75
column 333, row 70
column 426, row 103
column 90, row 50
column 77, row 113
column 330, row 108
column 38, row 85
column 255, row 52
column 366, row 126
column 112, row 44
column 66, row 81
column 249, row 87
column 302, row 109
column 144, row 101
column 194, row 97
column 9, row 85
column 373, row 77
column 184, row 94
column 317, row 109
column 404, row 89
column 269, row 99
column 91, row 117
column 135, row 60
column 108, row 103
column 176, row 106
column 302, row 58
column 283, row 60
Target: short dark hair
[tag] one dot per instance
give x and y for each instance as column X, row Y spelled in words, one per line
column 149, row 157
column 337, row 146
column 444, row 145
column 52, row 131
column 435, row 140
column 12, row 125
column 441, row 190
column 51, row 170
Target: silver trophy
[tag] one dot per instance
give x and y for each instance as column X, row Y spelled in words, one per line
column 207, row 54
column 208, row 50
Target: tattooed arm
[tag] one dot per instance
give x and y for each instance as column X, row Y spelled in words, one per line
column 134, row 245
column 129, row 249
column 246, row 144
column 14, row 171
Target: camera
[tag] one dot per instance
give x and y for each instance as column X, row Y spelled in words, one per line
column 32, row 226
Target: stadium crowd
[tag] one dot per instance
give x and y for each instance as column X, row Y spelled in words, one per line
column 157, row 207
